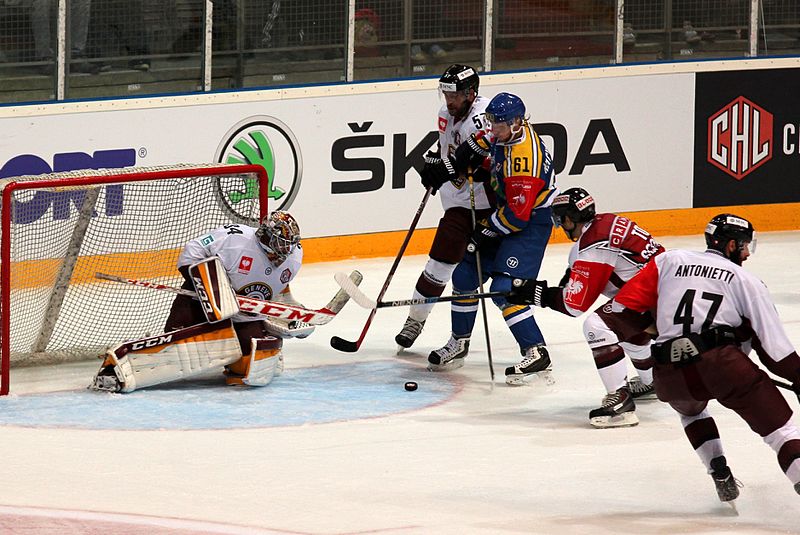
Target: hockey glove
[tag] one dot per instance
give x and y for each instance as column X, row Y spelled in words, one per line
column 437, row 171
column 472, row 153
column 291, row 329
column 565, row 279
column 479, row 237
column 481, row 174
column 527, row 292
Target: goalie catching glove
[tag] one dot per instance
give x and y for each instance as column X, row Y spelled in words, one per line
column 438, row 171
column 291, row 329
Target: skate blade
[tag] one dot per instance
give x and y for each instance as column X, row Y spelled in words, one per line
column 452, row 365
column 732, row 504
column 647, row 397
column 545, row 376
column 626, row 419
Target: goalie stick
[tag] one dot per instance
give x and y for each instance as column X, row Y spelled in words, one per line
column 258, row 307
column 361, row 298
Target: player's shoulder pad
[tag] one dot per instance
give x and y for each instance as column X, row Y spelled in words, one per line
column 597, row 232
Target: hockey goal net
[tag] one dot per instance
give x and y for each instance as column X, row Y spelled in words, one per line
column 58, row 230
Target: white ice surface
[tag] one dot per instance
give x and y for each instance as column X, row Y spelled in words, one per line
column 491, row 459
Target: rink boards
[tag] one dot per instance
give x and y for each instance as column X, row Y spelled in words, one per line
column 668, row 144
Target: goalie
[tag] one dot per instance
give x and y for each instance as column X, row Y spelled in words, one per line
column 210, row 332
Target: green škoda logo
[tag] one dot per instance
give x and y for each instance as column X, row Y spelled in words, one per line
column 265, row 141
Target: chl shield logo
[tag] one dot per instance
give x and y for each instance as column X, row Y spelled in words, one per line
column 265, row 141
column 740, row 137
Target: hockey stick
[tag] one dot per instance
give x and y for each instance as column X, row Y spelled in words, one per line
column 361, row 298
column 786, row 386
column 779, row 384
column 347, row 346
column 258, row 307
column 480, row 275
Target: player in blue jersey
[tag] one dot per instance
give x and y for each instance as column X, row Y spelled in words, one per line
column 512, row 240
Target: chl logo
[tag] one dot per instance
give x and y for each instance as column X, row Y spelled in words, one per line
column 740, row 137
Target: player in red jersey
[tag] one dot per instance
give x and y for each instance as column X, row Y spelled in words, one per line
column 609, row 250
column 710, row 313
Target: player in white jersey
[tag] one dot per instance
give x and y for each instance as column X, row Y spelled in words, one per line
column 252, row 270
column 260, row 263
column 709, row 313
column 232, row 259
column 461, row 116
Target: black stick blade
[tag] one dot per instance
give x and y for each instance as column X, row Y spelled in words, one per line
column 340, row 344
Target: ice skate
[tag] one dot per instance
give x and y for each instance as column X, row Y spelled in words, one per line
column 641, row 391
column 106, row 380
column 409, row 333
column 449, row 357
column 616, row 410
column 535, row 360
column 727, row 485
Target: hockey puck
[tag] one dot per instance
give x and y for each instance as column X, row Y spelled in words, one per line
column 411, row 386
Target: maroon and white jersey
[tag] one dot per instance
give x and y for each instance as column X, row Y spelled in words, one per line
column 610, row 251
column 693, row 292
column 249, row 269
column 451, row 134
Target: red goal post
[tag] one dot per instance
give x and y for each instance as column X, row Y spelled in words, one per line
column 58, row 229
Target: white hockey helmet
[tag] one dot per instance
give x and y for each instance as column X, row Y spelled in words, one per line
column 278, row 235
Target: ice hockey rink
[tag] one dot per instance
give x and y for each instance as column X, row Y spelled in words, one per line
column 337, row 446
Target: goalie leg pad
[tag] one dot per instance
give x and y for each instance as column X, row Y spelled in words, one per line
column 168, row 357
column 214, row 291
column 258, row 367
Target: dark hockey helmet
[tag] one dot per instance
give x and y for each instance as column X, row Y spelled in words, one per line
column 459, row 77
column 278, row 235
column 726, row 227
column 575, row 203
column 504, row 108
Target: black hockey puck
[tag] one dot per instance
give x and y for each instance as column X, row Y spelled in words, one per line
column 411, row 386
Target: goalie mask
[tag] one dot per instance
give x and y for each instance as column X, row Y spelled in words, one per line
column 278, row 235
column 578, row 205
column 726, row 227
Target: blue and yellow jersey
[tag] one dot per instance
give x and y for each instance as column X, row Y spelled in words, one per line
column 522, row 179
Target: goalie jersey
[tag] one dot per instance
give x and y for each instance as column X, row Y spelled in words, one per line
column 250, row 271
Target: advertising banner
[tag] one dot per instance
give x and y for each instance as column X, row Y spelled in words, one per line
column 747, row 127
column 344, row 163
